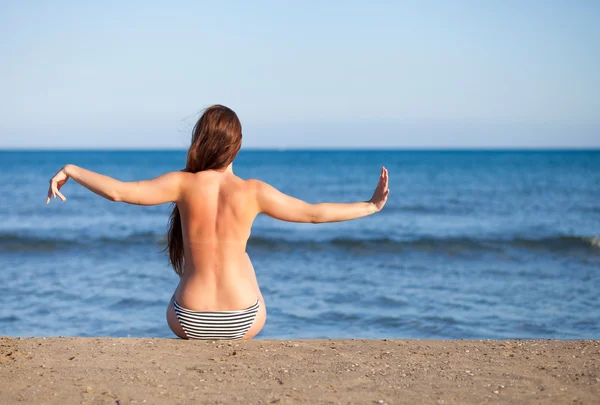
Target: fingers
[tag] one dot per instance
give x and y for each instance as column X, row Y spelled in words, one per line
column 384, row 177
column 57, row 193
column 62, row 197
column 382, row 184
column 386, row 190
column 53, row 192
column 382, row 191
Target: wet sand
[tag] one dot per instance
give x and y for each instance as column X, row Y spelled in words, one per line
column 169, row 371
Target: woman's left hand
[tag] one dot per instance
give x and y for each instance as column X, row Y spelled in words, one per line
column 56, row 182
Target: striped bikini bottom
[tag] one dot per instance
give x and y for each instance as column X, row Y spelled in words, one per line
column 227, row 325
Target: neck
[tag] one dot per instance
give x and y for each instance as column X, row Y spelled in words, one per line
column 228, row 169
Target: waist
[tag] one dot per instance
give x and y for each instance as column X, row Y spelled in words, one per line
column 208, row 310
column 214, row 241
column 200, row 294
column 215, row 263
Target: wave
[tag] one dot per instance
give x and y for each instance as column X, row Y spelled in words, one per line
column 19, row 242
column 431, row 243
column 452, row 244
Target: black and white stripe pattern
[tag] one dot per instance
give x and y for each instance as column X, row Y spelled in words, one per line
column 228, row 325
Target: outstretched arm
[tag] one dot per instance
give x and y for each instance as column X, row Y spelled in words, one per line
column 286, row 208
column 160, row 190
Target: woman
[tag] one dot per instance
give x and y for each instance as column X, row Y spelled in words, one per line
column 218, row 295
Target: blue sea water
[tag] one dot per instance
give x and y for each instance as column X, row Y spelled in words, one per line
column 501, row 244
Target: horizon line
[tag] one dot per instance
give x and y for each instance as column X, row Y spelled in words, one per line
column 323, row 149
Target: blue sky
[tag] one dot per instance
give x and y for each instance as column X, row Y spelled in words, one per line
column 375, row 74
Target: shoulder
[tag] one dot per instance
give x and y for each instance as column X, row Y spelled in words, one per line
column 257, row 186
column 176, row 177
column 253, row 183
column 179, row 174
column 264, row 192
column 179, row 180
column 166, row 179
column 189, row 177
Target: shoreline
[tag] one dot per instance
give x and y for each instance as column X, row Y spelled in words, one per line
column 71, row 370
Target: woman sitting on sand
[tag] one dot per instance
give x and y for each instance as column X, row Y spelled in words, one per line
column 218, row 295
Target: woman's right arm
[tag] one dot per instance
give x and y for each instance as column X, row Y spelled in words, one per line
column 286, row 208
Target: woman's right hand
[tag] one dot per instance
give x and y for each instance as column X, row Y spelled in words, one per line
column 381, row 191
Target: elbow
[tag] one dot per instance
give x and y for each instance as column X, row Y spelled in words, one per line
column 114, row 197
column 316, row 219
column 315, row 216
column 119, row 193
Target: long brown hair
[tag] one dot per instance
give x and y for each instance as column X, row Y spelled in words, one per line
column 216, row 140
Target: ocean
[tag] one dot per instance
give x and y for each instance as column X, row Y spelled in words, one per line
column 471, row 244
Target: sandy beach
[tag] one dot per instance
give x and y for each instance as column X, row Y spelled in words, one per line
column 169, row 371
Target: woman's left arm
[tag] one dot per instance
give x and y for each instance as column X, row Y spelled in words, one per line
column 160, row 190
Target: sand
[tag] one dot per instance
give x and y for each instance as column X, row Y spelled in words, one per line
column 169, row 371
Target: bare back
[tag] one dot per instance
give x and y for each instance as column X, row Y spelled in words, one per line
column 217, row 211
